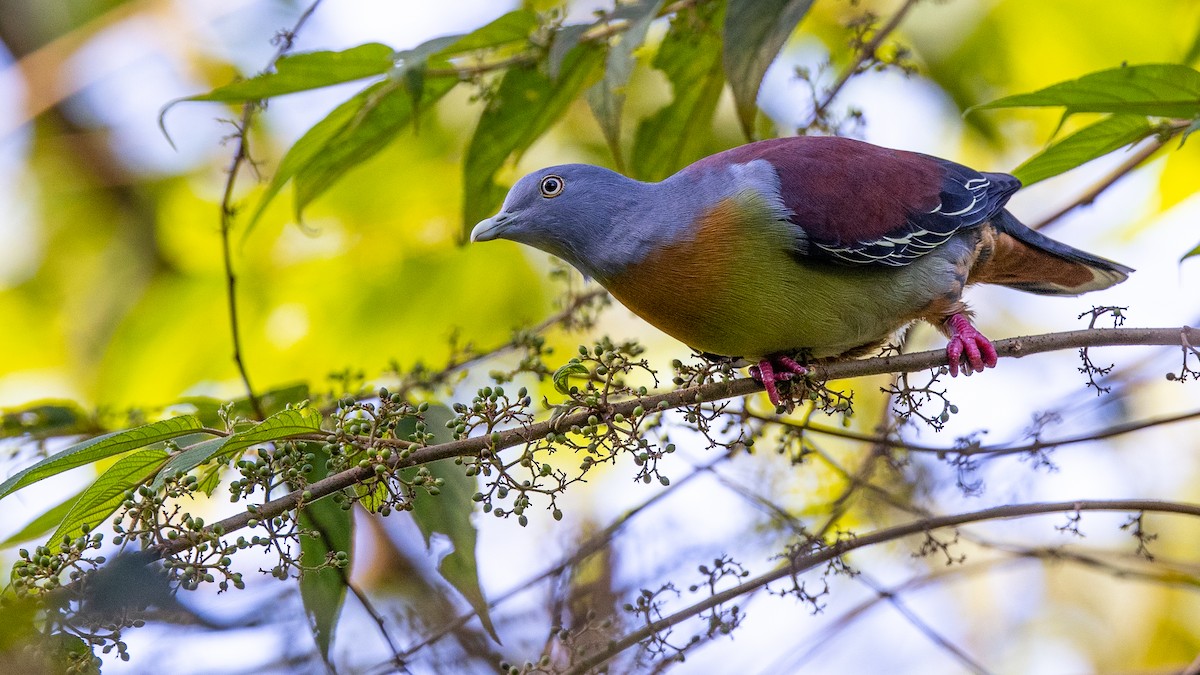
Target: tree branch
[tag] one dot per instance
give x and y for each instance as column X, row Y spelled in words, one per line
column 839, row 370
column 801, row 563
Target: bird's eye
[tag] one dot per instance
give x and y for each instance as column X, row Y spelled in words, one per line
column 552, row 186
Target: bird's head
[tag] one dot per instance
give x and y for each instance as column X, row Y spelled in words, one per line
column 570, row 210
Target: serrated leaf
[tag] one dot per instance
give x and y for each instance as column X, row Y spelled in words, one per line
column 678, row 133
column 189, row 458
column 524, row 106
column 562, row 376
column 100, row 447
column 1095, row 140
column 281, row 425
column 449, row 513
column 305, row 71
column 1163, row 90
column 607, row 97
column 102, row 498
column 326, row 529
column 755, row 31
column 43, row 524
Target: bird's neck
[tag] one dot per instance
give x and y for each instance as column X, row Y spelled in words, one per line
column 631, row 225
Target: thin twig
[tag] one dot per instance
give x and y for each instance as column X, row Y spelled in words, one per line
column 861, row 56
column 585, row 550
column 1134, row 160
column 240, row 156
column 992, row 450
column 801, row 563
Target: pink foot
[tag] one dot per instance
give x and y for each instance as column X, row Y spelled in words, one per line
column 765, row 372
column 966, row 340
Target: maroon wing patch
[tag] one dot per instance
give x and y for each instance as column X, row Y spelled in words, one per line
column 859, row 203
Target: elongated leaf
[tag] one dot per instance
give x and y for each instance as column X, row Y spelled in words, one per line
column 526, row 104
column 100, row 447
column 43, row 524
column 327, row 529
column 607, row 97
column 679, row 132
column 281, row 425
column 102, row 498
column 512, row 28
column 1191, row 254
column 1090, row 142
column 1165, row 90
column 449, row 513
column 305, row 71
column 385, row 111
column 188, row 459
column 755, row 31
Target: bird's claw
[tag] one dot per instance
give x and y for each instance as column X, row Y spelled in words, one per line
column 777, row 368
column 966, row 340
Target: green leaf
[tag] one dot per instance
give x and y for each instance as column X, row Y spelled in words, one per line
column 44, row 419
column 564, row 41
column 189, row 458
column 449, row 513
column 679, row 132
column 326, row 528
column 43, row 524
column 281, row 425
column 562, row 376
column 1191, row 254
column 512, row 28
column 355, row 131
column 607, row 97
column 1164, row 90
column 1090, row 142
column 755, row 31
column 98, row 448
column 305, row 71
column 524, row 106
column 102, row 498
column 384, row 111
column 272, row 401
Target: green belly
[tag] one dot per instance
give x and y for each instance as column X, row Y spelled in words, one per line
column 735, row 290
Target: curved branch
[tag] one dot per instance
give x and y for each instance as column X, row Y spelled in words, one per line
column 801, row 563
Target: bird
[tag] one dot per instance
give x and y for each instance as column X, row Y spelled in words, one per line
column 797, row 249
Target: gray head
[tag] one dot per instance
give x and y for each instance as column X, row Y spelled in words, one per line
column 581, row 213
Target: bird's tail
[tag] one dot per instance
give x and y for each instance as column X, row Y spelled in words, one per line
column 1032, row 262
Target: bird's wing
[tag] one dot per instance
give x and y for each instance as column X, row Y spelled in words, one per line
column 862, row 204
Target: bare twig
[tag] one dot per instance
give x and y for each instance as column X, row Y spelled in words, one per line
column 241, row 155
column 861, row 56
column 807, row 561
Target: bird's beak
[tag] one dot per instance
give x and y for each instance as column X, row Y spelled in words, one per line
column 489, row 228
